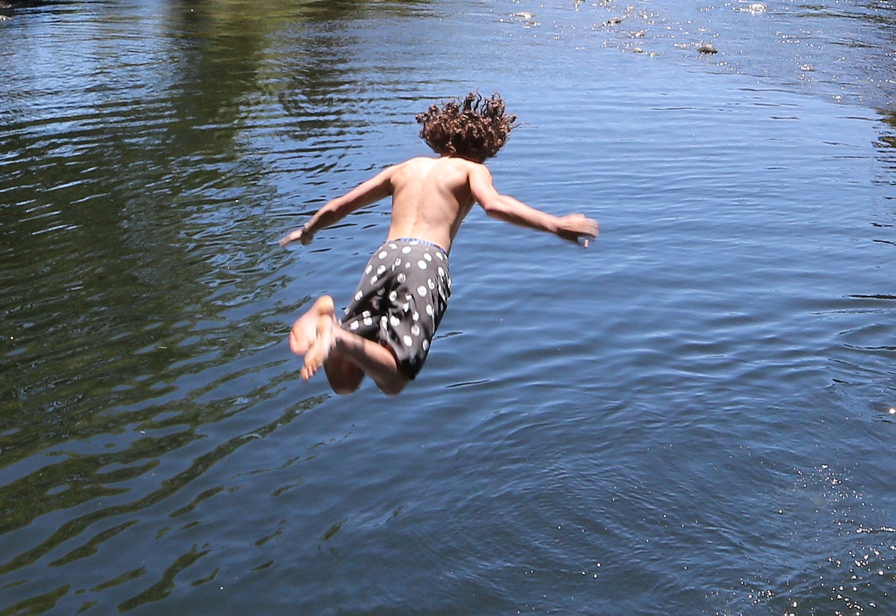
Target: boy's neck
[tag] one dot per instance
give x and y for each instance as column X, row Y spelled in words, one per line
column 480, row 161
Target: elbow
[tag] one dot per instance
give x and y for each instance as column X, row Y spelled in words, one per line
column 494, row 209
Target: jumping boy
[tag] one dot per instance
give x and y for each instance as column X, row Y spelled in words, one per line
column 392, row 318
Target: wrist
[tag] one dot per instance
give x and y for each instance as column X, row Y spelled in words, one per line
column 556, row 225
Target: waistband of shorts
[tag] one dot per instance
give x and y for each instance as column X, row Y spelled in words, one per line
column 414, row 240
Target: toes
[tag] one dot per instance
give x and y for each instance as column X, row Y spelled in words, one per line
column 312, row 365
column 309, row 370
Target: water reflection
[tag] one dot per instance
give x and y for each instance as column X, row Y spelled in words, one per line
column 889, row 137
column 126, row 215
column 113, row 248
column 135, row 300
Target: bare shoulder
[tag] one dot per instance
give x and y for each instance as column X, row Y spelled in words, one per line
column 477, row 168
column 478, row 173
column 418, row 165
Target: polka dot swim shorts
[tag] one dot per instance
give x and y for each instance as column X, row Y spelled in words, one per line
column 401, row 299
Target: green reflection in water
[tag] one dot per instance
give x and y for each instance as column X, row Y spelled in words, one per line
column 91, row 546
column 119, row 580
column 200, row 465
column 36, row 605
column 888, row 138
column 163, row 587
column 134, row 256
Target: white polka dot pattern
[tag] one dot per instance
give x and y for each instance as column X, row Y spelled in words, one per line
column 401, row 299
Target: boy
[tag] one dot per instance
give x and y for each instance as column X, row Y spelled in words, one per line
column 393, row 316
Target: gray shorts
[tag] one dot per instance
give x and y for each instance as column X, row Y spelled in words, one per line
column 400, row 300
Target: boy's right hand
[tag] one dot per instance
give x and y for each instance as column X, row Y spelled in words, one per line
column 578, row 226
column 300, row 234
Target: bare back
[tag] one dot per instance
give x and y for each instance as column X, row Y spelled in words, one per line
column 430, row 198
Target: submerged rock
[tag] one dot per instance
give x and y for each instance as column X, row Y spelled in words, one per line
column 707, row 48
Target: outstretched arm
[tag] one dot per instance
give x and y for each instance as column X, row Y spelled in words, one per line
column 508, row 209
column 371, row 191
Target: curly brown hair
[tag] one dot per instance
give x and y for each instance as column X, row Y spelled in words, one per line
column 474, row 129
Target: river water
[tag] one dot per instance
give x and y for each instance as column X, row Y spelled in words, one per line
column 693, row 416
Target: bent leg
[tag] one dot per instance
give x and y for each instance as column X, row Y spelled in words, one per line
column 372, row 358
column 344, row 376
column 345, row 356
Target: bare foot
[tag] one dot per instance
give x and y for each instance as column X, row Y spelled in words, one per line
column 321, row 347
column 304, row 330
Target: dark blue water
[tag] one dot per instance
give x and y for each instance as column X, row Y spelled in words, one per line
column 696, row 415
